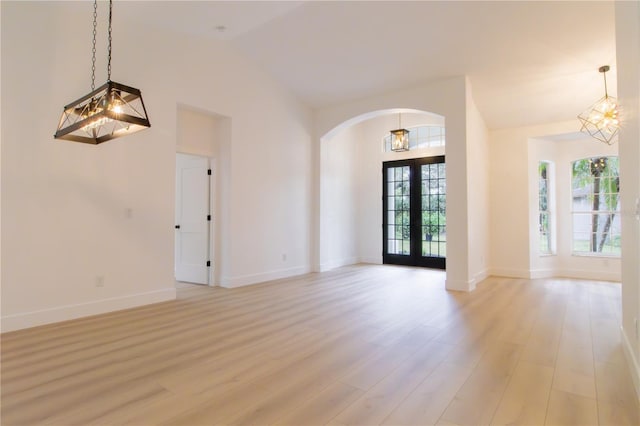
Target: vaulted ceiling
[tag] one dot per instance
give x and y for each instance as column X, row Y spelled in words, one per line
column 528, row 62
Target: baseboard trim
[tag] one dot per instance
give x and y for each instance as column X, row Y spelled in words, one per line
column 588, row 275
column 80, row 310
column 249, row 279
column 509, row 273
column 333, row 264
column 371, row 260
column 556, row 273
column 479, row 277
column 542, row 273
column 634, row 365
column 460, row 285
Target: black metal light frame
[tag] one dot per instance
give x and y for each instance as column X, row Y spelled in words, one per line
column 110, row 111
column 399, row 140
column 399, row 137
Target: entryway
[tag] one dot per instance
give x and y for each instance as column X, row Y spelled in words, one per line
column 414, row 212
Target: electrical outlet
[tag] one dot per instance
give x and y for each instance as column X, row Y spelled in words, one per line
column 99, row 281
column 284, row 257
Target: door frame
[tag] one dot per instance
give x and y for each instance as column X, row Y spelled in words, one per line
column 415, row 215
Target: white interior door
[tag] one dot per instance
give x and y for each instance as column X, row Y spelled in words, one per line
column 192, row 219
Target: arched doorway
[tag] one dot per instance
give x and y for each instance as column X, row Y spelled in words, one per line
column 353, row 225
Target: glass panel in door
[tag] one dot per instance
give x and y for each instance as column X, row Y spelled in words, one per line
column 433, row 214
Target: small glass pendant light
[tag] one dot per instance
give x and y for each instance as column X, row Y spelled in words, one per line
column 399, row 138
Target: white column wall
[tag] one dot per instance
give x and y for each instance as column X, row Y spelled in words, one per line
column 478, row 165
column 339, row 202
column 509, row 223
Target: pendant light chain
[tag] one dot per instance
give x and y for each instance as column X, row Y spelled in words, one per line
column 93, row 49
column 109, row 54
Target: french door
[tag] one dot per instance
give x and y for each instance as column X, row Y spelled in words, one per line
column 414, row 212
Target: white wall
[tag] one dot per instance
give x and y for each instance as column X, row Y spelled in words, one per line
column 562, row 153
column 478, row 165
column 509, row 255
column 339, row 202
column 197, row 132
column 548, row 265
column 74, row 214
column 628, row 70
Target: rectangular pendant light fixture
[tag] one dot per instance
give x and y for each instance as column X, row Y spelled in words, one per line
column 108, row 112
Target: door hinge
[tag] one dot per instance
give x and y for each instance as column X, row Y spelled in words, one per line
column 209, row 172
column 208, row 263
column 209, row 217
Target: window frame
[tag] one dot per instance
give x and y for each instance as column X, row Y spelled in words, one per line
column 615, row 213
column 550, row 209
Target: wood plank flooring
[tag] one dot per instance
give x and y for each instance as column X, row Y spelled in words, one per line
column 361, row 345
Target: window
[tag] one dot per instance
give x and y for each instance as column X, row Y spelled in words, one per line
column 544, row 208
column 596, row 206
column 421, row 137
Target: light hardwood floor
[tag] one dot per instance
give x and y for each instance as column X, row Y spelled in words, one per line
column 362, row 345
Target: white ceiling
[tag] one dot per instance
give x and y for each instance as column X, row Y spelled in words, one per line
column 528, row 62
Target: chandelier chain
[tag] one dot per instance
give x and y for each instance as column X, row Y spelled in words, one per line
column 93, row 49
column 109, row 49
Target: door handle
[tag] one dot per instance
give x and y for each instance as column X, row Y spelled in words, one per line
column 177, row 226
